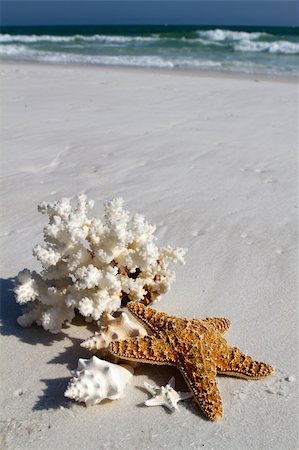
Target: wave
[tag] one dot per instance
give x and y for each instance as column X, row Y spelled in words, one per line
column 250, row 52
column 237, row 41
column 243, row 41
column 32, row 39
column 137, row 61
column 282, row 47
column 11, row 50
column 219, row 35
column 26, row 54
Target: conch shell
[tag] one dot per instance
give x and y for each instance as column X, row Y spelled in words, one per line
column 95, row 380
column 113, row 329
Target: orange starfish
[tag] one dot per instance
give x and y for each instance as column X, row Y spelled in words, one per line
column 196, row 347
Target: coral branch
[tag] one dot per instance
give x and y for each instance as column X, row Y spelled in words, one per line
column 92, row 266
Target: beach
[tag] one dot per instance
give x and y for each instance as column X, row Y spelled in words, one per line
column 211, row 160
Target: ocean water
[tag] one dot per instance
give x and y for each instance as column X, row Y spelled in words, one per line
column 247, row 50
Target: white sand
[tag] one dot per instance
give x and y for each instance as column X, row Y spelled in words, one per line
column 210, row 160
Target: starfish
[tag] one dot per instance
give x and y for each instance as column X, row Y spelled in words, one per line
column 196, row 347
column 165, row 395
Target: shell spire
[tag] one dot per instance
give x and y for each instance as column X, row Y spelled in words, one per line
column 113, row 329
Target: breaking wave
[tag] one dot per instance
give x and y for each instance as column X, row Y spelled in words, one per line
column 137, row 61
column 32, row 39
column 219, row 35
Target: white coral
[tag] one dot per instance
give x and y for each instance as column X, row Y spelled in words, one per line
column 92, row 266
column 27, row 289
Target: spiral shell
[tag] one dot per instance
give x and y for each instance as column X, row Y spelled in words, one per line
column 113, row 329
column 95, row 380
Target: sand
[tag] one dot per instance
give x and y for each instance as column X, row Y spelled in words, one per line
column 212, row 161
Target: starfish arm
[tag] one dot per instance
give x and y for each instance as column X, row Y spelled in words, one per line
column 148, row 349
column 204, row 387
column 151, row 389
column 185, row 395
column 171, row 382
column 153, row 320
column 219, row 323
column 161, row 400
column 154, row 401
column 231, row 361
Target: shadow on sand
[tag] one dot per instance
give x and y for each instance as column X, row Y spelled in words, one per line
column 52, row 396
column 10, row 311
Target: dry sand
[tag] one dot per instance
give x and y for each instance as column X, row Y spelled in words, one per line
column 210, row 160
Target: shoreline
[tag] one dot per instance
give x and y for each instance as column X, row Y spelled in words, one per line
column 201, row 73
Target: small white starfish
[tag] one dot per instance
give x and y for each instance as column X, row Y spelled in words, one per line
column 165, row 395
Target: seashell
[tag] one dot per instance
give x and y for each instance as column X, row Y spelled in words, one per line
column 113, row 329
column 95, row 380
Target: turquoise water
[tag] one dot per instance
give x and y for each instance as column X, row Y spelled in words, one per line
column 247, row 50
